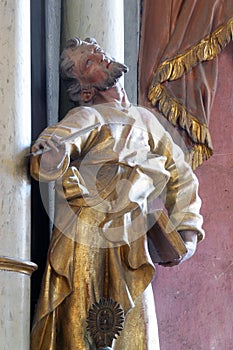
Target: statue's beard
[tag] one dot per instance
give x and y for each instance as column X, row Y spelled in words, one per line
column 115, row 71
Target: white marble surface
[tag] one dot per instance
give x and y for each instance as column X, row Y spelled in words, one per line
column 102, row 19
column 14, row 311
column 15, row 127
column 15, row 139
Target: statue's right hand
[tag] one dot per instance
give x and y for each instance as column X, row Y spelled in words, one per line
column 53, row 158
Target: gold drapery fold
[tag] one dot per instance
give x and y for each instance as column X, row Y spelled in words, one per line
column 207, row 49
column 177, row 113
column 176, row 79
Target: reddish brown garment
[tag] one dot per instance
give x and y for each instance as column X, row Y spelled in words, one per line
column 180, row 41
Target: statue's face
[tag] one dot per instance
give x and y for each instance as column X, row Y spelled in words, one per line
column 93, row 67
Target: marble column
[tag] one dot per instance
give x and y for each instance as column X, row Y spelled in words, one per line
column 103, row 20
column 15, row 131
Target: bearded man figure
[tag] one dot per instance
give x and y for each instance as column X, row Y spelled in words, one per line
column 107, row 179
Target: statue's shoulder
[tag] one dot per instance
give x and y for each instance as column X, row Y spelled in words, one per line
column 79, row 117
column 149, row 118
column 82, row 110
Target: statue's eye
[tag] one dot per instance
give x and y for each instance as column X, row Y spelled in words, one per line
column 88, row 63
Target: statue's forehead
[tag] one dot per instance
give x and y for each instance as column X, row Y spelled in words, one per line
column 88, row 48
column 78, row 52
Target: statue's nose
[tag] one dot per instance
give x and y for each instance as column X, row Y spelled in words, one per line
column 101, row 57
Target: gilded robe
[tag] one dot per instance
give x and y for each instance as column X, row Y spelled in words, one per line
column 105, row 187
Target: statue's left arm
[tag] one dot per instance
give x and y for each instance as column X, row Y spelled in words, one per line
column 181, row 197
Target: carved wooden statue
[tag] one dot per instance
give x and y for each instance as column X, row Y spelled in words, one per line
column 111, row 161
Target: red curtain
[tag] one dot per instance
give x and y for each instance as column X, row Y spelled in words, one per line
column 180, row 42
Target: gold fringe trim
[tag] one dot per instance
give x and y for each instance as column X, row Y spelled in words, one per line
column 197, row 155
column 207, row 49
column 177, row 114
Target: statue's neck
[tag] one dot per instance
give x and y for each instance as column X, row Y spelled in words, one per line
column 113, row 94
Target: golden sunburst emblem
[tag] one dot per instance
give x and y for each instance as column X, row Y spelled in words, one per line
column 105, row 322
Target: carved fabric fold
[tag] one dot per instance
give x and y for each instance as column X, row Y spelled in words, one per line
column 180, row 42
